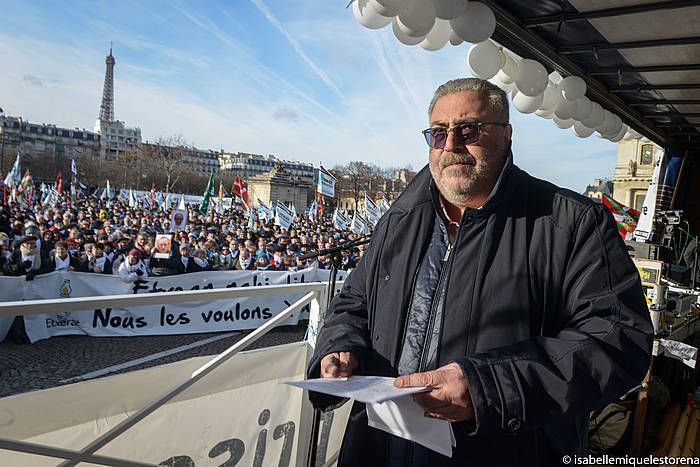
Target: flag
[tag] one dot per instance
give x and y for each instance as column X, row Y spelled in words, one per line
column 283, row 216
column 383, row 206
column 59, row 182
column 645, row 225
column 73, row 193
column 251, row 218
column 181, row 205
column 25, row 191
column 359, row 224
column 241, row 192
column 326, row 183
column 263, row 211
column 110, row 195
column 74, row 168
column 294, row 211
column 153, row 194
column 132, row 199
column 340, row 220
column 312, row 211
column 371, row 211
column 13, row 177
column 625, row 217
column 208, row 193
column 166, row 203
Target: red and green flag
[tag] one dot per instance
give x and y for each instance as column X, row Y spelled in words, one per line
column 625, row 216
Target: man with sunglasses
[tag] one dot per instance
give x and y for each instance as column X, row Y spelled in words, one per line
column 513, row 299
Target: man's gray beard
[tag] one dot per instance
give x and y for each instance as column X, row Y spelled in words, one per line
column 476, row 184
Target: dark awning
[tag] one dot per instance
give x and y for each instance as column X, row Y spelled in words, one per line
column 640, row 59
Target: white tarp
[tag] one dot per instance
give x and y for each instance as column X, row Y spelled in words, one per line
column 240, row 414
column 182, row 318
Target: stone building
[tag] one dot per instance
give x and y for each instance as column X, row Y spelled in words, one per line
column 280, row 185
column 633, row 171
column 36, row 140
column 248, row 165
column 600, row 187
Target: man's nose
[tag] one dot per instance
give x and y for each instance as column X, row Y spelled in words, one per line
column 453, row 142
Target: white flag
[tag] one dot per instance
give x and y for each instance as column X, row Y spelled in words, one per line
column 371, row 211
column 74, row 167
column 359, row 224
column 14, row 176
column 326, row 183
column 383, row 206
column 283, row 216
column 182, row 203
column 645, row 224
column 263, row 211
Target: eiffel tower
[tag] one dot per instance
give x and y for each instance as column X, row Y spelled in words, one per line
column 107, row 105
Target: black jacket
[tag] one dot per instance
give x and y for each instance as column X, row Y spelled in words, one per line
column 543, row 310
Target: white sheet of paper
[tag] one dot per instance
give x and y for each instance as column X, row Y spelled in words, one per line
column 404, row 418
column 368, row 389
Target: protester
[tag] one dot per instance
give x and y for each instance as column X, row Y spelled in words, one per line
column 133, row 267
column 513, row 300
column 26, row 260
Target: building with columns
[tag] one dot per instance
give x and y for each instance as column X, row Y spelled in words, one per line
column 633, row 171
column 281, row 185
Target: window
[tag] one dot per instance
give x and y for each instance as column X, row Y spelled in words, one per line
column 639, row 199
column 647, row 157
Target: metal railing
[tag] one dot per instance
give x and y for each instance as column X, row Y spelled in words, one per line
column 316, row 297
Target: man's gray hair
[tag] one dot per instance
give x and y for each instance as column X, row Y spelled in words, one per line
column 498, row 100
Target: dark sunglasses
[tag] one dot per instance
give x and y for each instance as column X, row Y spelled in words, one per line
column 465, row 133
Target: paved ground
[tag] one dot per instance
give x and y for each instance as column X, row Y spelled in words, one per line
column 47, row 363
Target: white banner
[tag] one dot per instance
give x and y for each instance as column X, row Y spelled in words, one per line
column 283, row 216
column 182, row 318
column 340, row 220
column 263, row 211
column 240, row 414
column 372, row 214
column 326, row 183
column 359, row 224
column 645, row 224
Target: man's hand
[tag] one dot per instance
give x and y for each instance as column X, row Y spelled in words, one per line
column 449, row 400
column 338, row 364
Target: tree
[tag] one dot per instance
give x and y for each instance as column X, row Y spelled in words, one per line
column 165, row 159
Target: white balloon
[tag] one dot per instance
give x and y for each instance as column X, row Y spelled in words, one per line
column 606, row 127
column 403, row 38
column 617, row 124
column 565, row 109
column 368, row 16
column 438, row 36
column 484, row 59
column 454, row 38
column 417, row 19
column 509, row 72
column 596, row 117
column 545, row 113
column 532, row 77
column 573, row 87
column 584, row 107
column 476, row 24
column 526, row 104
column 620, row 134
column 562, row 123
column 551, row 98
column 581, row 130
column 506, row 87
column 449, row 9
column 389, row 8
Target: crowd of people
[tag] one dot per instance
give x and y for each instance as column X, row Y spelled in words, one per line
column 88, row 236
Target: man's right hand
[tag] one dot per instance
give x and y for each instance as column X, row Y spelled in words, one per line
column 338, row 364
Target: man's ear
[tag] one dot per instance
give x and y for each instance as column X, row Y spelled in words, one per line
column 507, row 134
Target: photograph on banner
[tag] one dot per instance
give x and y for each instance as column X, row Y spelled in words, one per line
column 178, row 219
column 163, row 244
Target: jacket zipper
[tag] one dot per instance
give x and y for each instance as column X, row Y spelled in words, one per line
column 438, row 292
column 408, row 311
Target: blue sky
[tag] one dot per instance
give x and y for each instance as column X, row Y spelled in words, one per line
column 299, row 79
